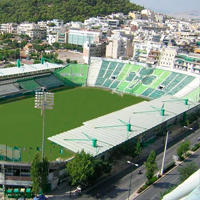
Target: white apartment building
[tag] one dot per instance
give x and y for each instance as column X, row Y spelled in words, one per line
column 141, row 49
column 34, row 31
column 51, row 38
column 79, row 37
column 167, row 57
column 8, row 28
column 56, row 22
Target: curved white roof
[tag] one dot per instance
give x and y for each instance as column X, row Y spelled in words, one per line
column 188, row 190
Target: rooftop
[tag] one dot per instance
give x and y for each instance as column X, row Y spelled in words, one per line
column 111, row 130
column 28, row 69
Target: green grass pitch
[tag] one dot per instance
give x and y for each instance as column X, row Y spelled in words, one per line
column 21, row 123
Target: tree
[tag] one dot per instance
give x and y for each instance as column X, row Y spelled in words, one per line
column 182, row 149
column 68, row 60
column 70, row 10
column 56, row 45
column 81, row 169
column 188, row 170
column 151, row 165
column 138, row 148
column 39, row 174
column 44, row 167
column 35, row 174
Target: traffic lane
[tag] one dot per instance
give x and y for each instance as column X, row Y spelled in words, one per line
column 154, row 192
column 118, row 189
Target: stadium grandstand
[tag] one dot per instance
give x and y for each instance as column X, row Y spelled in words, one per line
column 21, row 80
column 100, row 135
column 142, row 80
column 73, row 74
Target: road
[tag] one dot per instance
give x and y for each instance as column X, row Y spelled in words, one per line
column 171, row 179
column 118, row 187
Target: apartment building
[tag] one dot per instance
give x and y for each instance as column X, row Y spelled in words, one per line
column 79, row 37
column 34, row 31
column 8, row 28
column 167, row 57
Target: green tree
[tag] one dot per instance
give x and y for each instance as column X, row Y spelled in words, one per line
column 138, row 148
column 81, row 169
column 56, row 45
column 70, row 10
column 44, row 167
column 35, row 174
column 182, row 149
column 186, row 171
column 68, row 60
column 151, row 165
column 39, row 174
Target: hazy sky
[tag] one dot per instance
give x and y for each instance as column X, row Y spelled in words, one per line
column 170, row 5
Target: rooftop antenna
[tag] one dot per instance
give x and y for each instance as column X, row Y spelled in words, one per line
column 94, row 141
column 122, row 123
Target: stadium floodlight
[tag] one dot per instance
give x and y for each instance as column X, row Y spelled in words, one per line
column 44, row 101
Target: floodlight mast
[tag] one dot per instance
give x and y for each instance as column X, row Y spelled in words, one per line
column 44, row 100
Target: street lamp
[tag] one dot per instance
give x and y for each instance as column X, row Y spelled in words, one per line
column 44, row 100
column 129, row 162
column 163, row 160
column 136, row 165
column 188, row 128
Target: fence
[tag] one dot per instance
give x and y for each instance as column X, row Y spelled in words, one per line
column 10, row 153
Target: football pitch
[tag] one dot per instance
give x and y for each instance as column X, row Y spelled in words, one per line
column 21, row 123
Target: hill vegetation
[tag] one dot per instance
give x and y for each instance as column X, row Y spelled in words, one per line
column 68, row 10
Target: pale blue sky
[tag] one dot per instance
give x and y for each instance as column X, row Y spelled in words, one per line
column 170, row 5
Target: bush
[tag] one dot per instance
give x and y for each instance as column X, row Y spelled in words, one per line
column 187, row 171
column 182, row 149
column 151, row 181
column 195, row 147
column 142, row 188
column 169, row 167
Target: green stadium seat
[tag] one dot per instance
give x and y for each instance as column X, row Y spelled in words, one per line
column 140, row 80
column 147, row 92
column 73, row 74
column 169, row 79
column 156, row 94
column 118, row 69
column 100, row 81
column 148, row 80
column 49, row 81
column 115, row 84
column 146, row 71
column 130, row 76
column 29, row 85
column 107, row 83
column 182, row 84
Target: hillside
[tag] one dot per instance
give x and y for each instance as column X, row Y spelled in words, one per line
column 68, row 10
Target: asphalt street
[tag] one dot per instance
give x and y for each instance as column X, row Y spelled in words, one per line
column 171, row 179
column 119, row 189
column 118, row 186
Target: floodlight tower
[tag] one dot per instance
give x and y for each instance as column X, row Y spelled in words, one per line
column 44, row 100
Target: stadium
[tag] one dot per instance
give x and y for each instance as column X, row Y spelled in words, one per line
column 97, row 107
